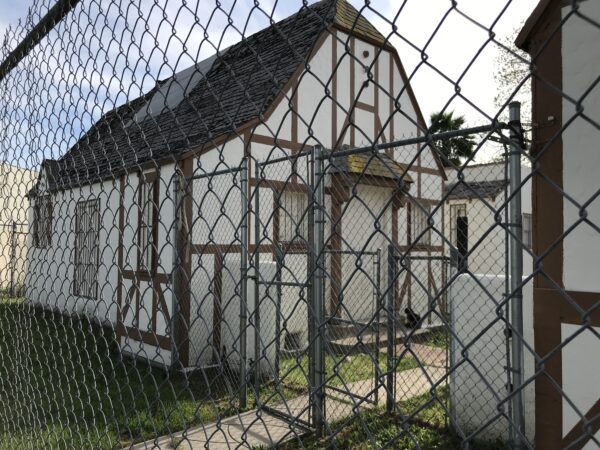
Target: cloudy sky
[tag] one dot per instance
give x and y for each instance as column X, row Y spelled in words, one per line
column 121, row 61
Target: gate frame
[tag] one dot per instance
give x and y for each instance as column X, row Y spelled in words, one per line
column 316, row 413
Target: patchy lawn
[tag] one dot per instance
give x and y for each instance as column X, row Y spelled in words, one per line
column 63, row 384
column 375, row 428
column 437, row 337
column 340, row 370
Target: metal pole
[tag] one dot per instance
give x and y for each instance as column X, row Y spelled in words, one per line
column 377, row 301
column 244, row 281
column 310, row 273
column 516, row 272
column 57, row 13
column 279, row 262
column 507, row 330
column 256, row 285
column 13, row 257
column 319, row 290
column 391, row 329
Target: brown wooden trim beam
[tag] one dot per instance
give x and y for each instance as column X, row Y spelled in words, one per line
column 147, row 337
column 578, row 434
column 587, row 301
column 365, row 107
column 271, row 141
column 158, row 278
column 548, row 398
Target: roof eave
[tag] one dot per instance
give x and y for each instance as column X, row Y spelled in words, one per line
column 524, row 37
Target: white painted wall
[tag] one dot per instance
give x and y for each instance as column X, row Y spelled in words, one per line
column 581, row 366
column 478, row 356
column 581, row 163
column 15, row 184
column 581, row 158
column 50, row 273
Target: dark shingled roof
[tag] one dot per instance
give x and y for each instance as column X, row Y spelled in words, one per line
column 382, row 166
column 232, row 89
column 475, row 189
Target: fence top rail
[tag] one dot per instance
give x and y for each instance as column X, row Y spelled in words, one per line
column 13, row 224
column 57, row 13
column 352, row 252
column 214, row 173
column 427, row 138
column 375, row 148
column 424, row 258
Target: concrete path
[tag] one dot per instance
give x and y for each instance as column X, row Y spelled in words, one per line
column 254, row 429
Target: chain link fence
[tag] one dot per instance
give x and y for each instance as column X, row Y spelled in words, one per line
column 230, row 225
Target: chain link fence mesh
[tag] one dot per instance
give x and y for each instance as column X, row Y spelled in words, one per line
column 229, row 225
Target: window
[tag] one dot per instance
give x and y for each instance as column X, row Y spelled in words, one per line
column 456, row 212
column 42, row 222
column 293, row 217
column 527, row 234
column 420, row 216
column 87, row 227
column 147, row 215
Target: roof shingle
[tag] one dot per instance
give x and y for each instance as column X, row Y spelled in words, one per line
column 234, row 88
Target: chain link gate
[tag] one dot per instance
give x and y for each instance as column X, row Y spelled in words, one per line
column 285, row 326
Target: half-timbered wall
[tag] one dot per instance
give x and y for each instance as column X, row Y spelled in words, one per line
column 581, row 163
column 314, row 109
column 565, row 48
column 136, row 304
column 304, row 116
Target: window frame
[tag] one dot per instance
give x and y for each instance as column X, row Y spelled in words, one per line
column 284, row 218
column 420, row 211
column 453, row 213
column 42, row 231
column 82, row 287
column 147, row 223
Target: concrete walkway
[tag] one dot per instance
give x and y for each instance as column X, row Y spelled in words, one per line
column 254, row 429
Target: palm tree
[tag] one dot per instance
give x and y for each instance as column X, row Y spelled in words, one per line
column 453, row 149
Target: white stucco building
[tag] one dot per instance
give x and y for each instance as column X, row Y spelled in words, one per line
column 475, row 216
column 166, row 273
column 15, row 183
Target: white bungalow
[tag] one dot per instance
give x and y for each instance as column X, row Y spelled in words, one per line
column 118, row 254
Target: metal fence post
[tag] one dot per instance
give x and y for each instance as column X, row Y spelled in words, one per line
column 256, row 312
column 391, row 330
column 318, row 290
column 13, row 257
column 244, row 280
column 516, row 273
column 378, row 306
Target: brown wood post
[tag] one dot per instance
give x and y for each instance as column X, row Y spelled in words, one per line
column 182, row 291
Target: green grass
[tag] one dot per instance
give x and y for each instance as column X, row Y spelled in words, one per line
column 63, row 384
column 374, row 428
column 339, row 370
column 438, row 337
